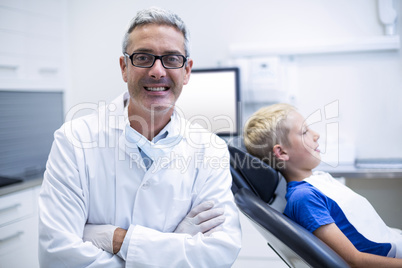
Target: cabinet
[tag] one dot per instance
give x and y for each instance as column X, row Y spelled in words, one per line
column 19, row 229
column 32, row 47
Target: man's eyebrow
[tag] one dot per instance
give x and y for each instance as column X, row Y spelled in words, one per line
column 167, row 52
column 145, row 50
column 175, row 52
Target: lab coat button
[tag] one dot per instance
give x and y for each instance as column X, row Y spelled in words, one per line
column 145, row 186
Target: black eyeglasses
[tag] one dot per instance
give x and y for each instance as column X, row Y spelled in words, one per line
column 146, row 60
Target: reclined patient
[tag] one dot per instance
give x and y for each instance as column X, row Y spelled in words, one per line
column 343, row 219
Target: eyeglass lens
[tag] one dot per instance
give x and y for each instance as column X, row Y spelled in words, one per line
column 147, row 60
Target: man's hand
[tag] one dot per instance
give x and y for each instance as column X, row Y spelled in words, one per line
column 203, row 218
column 100, row 235
column 118, row 238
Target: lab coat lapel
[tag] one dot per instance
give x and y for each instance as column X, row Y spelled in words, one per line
column 130, row 171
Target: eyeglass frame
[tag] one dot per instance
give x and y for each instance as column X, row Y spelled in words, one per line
column 156, row 57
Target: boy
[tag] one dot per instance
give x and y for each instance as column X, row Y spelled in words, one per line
column 344, row 220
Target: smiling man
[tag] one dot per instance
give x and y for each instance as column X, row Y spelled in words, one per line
column 155, row 82
column 127, row 203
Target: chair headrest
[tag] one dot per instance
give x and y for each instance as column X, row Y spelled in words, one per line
column 238, row 142
column 262, row 178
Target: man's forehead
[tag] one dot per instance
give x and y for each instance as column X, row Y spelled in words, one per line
column 165, row 37
column 154, row 28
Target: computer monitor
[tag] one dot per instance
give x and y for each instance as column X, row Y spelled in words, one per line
column 211, row 99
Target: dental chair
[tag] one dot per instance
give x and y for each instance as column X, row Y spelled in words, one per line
column 259, row 194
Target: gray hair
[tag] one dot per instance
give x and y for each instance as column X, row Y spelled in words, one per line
column 155, row 15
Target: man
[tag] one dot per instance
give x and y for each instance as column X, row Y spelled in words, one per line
column 133, row 185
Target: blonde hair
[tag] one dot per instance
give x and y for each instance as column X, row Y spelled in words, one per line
column 266, row 128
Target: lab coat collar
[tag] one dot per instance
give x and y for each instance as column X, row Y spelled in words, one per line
column 117, row 111
column 162, row 144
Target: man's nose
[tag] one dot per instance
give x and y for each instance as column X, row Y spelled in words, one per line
column 157, row 71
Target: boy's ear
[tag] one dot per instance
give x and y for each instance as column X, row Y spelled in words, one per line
column 280, row 153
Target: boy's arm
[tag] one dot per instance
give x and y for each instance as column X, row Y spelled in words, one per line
column 334, row 238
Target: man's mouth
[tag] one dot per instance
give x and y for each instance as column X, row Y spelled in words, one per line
column 154, row 89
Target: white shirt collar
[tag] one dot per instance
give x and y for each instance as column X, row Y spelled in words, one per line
column 173, row 128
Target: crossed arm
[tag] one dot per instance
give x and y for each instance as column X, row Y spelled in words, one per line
column 334, row 238
column 203, row 218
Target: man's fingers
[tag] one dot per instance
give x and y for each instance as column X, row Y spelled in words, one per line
column 200, row 208
column 218, row 228
column 207, row 215
column 211, row 224
column 202, row 218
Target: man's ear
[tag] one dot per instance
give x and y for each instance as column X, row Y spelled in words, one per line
column 123, row 68
column 280, row 153
column 187, row 68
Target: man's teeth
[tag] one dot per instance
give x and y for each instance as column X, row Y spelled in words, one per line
column 155, row 88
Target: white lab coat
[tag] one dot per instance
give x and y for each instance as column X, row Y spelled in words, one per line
column 93, row 175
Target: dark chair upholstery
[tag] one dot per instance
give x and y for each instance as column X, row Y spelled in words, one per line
column 250, row 172
column 294, row 245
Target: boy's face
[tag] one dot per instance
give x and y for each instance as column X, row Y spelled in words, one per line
column 303, row 151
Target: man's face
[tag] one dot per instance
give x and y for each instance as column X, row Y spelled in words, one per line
column 155, row 89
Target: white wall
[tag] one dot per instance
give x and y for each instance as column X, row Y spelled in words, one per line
column 368, row 85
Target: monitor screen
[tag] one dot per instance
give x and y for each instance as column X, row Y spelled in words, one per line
column 211, row 99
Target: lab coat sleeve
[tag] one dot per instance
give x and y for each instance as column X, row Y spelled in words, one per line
column 63, row 212
column 151, row 248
